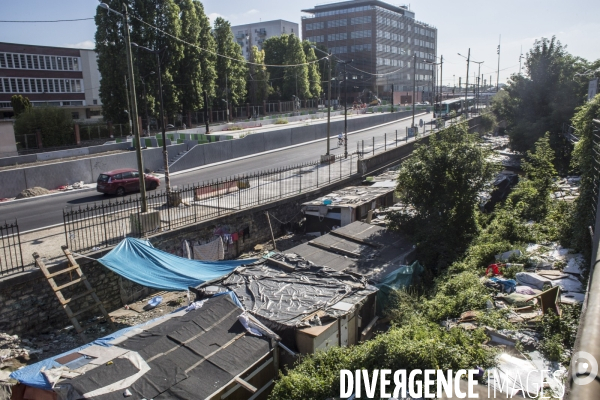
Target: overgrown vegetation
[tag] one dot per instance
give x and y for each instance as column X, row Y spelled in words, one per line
column 559, row 332
column 55, row 125
column 20, row 104
column 281, row 121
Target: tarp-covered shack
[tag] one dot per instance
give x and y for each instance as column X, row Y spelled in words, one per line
column 204, row 353
column 345, row 206
column 310, row 307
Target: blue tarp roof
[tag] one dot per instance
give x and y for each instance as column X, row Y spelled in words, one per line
column 139, row 262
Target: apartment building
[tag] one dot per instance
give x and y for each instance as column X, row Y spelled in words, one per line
column 386, row 44
column 256, row 33
column 50, row 76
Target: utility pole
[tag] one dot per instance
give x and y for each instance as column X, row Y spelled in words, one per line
column 467, row 84
column 226, row 96
column 498, row 75
column 134, row 113
column 414, row 89
column 128, row 105
column 441, row 82
column 345, row 109
column 206, row 111
column 328, row 99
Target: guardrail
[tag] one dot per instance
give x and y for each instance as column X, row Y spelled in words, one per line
column 105, row 224
column 588, row 334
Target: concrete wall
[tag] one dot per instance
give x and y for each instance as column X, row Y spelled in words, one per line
column 265, row 141
column 8, row 145
column 56, row 155
column 51, row 176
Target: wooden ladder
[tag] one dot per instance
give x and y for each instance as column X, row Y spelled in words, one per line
column 65, row 303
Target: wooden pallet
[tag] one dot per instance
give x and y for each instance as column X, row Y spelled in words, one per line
column 80, row 278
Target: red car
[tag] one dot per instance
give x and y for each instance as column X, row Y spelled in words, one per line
column 121, row 181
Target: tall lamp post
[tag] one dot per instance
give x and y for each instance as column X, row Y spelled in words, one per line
column 134, row 112
column 433, row 68
column 162, row 113
column 345, row 63
column 328, row 99
column 414, row 88
column 467, row 83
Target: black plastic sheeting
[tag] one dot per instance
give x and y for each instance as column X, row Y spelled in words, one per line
column 210, row 365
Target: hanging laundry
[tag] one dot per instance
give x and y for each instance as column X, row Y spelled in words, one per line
column 227, row 238
column 234, row 236
column 212, row 251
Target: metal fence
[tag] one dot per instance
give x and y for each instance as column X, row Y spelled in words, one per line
column 104, row 224
column 11, row 256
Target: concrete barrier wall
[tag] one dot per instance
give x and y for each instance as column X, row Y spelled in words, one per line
column 53, row 155
column 109, row 147
column 278, row 139
column 193, row 158
column 51, row 176
column 18, row 160
column 251, row 144
column 217, row 152
column 12, row 182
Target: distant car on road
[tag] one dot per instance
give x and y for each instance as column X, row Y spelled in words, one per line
column 121, row 181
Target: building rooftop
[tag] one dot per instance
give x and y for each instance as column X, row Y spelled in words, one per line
column 357, row 3
column 370, row 251
column 352, row 196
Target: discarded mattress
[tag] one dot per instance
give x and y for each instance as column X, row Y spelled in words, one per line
column 568, row 284
column 137, row 261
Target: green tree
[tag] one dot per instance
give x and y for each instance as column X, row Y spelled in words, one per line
column 584, row 163
column 544, row 97
column 275, row 49
column 54, row 123
column 110, row 47
column 20, row 104
column 295, row 79
column 441, row 181
column 208, row 58
column 314, row 74
column 231, row 66
column 258, row 84
column 531, row 197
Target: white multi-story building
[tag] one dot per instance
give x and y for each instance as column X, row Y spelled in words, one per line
column 256, row 33
column 50, row 76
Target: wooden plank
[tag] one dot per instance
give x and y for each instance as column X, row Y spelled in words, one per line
column 368, row 328
column 281, row 265
column 245, row 384
column 334, row 249
column 64, row 271
column 66, row 285
column 77, row 297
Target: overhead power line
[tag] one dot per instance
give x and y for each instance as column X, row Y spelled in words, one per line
column 224, row 56
column 57, row 20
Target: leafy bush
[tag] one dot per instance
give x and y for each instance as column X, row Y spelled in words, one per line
column 55, row 125
column 559, row 332
column 419, row 345
column 281, row 121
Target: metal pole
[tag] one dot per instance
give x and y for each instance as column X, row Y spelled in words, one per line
column 328, row 106
column 164, row 134
column 346, row 110
column 467, row 84
column 128, row 108
column 134, row 113
column 206, row 111
column 498, row 75
column 441, row 77
column 414, row 89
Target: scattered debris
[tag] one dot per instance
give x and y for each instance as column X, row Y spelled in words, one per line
column 32, row 192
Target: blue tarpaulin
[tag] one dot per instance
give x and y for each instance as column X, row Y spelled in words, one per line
column 396, row 280
column 141, row 263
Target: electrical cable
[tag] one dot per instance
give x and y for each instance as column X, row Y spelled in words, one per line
column 224, row 56
column 58, row 20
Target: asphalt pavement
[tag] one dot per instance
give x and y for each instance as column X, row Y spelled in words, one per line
column 47, row 211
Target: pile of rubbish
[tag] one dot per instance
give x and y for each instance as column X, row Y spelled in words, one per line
column 550, row 277
column 380, row 215
column 495, row 142
column 32, row 192
column 568, row 188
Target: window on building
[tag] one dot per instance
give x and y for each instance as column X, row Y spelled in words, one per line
column 45, row 87
column 23, row 62
column 361, row 34
column 316, row 39
column 315, row 25
column 2, row 60
column 360, row 20
column 13, row 85
column 95, row 101
column 15, row 59
column 36, row 64
column 38, row 83
column 338, row 50
column 75, row 114
column 337, row 36
column 337, row 22
column 1, row 87
column 361, row 47
column 53, row 61
column 29, row 62
column 26, row 85
column 7, row 85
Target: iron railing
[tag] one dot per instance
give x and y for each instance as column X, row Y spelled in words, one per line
column 11, row 255
column 101, row 225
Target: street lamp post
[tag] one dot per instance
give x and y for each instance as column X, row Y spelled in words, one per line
column 414, row 89
column 467, row 83
column 328, row 98
column 345, row 63
column 162, row 113
column 134, row 112
column 433, row 67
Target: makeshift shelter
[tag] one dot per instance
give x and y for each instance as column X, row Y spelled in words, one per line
column 309, row 306
column 401, row 278
column 141, row 263
column 210, row 352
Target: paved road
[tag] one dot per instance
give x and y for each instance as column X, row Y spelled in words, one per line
column 47, row 211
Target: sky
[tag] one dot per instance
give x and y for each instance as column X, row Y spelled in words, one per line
column 461, row 25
